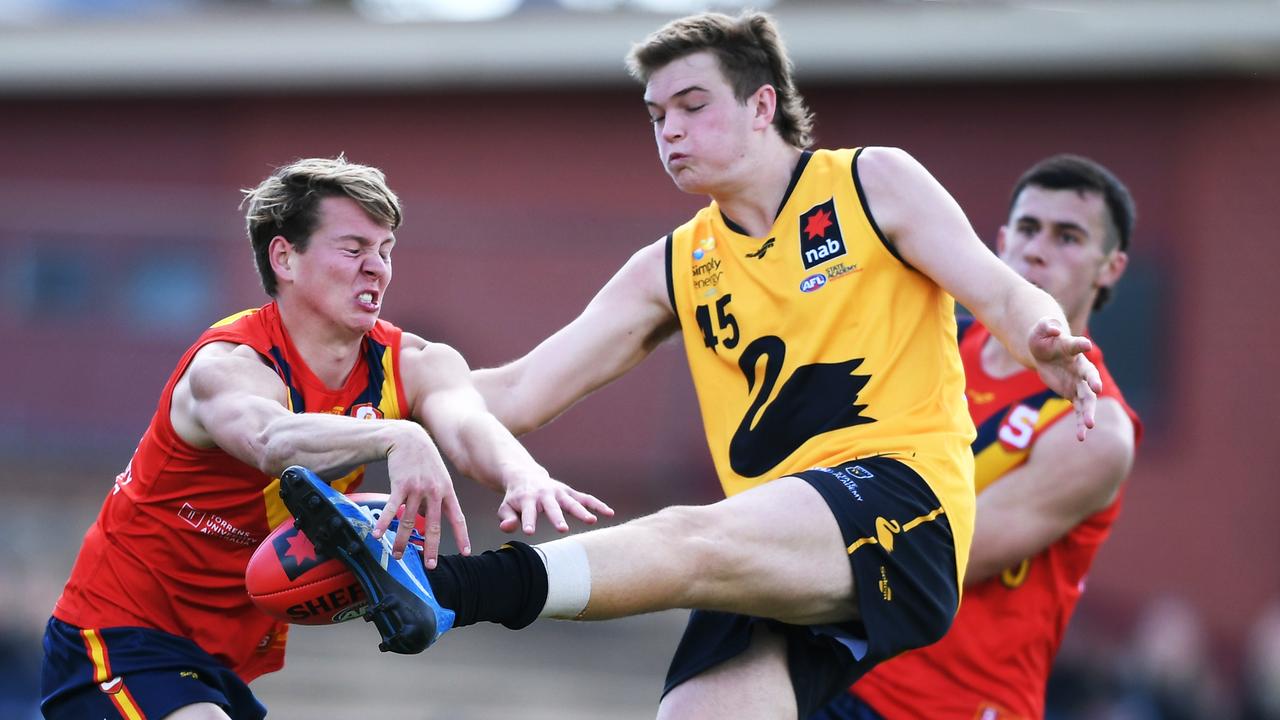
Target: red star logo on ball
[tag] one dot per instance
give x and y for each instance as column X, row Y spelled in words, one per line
column 301, row 549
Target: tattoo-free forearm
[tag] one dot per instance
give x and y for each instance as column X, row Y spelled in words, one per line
column 485, row 451
column 1023, row 306
column 330, row 444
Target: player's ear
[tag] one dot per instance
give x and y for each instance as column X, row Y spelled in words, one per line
column 1000, row 239
column 280, row 252
column 764, row 104
column 1112, row 268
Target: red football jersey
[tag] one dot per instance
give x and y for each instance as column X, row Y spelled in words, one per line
column 171, row 543
column 994, row 662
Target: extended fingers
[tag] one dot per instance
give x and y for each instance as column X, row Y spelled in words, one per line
column 1094, row 379
column 508, row 520
column 412, row 503
column 458, row 521
column 1088, row 374
column 1086, row 403
column 1073, row 346
column 570, row 502
column 592, row 503
column 431, row 538
column 521, row 507
column 1046, row 327
column 550, row 503
column 529, row 512
column 581, row 505
column 394, row 501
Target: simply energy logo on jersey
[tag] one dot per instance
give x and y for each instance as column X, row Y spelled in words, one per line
column 820, row 236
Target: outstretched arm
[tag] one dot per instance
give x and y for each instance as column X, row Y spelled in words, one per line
column 619, row 327
column 930, row 231
column 1062, row 483
column 443, row 396
column 228, row 398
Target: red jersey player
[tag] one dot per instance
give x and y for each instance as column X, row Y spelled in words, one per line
column 155, row 620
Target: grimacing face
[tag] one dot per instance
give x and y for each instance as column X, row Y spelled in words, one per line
column 1059, row 241
column 344, row 273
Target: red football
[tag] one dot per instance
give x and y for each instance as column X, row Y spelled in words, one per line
column 287, row 578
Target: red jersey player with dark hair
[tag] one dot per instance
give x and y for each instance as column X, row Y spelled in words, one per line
column 155, row 621
column 1045, row 501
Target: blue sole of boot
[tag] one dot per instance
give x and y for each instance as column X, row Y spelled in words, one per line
column 405, row 621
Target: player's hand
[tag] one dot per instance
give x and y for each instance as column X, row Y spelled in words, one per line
column 420, row 484
column 1060, row 360
column 531, row 490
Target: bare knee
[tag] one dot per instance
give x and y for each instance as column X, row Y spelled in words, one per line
column 695, row 529
column 774, row 554
column 699, row 547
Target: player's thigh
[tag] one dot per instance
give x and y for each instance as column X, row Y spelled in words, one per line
column 754, row 684
column 198, row 711
column 774, row 551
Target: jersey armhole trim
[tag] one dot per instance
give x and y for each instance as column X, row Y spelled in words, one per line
column 866, row 210
column 671, row 286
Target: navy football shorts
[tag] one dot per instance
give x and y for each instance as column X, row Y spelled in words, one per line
column 847, row 707
column 902, row 555
column 134, row 673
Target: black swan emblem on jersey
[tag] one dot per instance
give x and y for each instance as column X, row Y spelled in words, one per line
column 817, row 398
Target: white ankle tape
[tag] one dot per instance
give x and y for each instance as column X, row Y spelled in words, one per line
column 568, row 578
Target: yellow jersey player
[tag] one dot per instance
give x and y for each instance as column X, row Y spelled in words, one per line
column 814, row 296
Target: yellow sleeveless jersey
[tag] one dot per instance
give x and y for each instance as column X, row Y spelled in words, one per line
column 818, row 344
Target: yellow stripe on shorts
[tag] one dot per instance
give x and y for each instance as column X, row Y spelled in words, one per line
column 887, row 529
column 97, row 654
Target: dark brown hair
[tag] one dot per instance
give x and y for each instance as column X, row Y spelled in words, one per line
column 1073, row 172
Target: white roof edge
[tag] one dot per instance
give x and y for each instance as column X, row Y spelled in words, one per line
column 858, row 43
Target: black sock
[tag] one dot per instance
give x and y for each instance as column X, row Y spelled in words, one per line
column 507, row 585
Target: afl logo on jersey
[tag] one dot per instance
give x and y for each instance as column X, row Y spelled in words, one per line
column 820, row 236
column 366, row 411
column 813, row 283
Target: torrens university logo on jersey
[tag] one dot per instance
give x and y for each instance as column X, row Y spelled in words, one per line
column 820, row 237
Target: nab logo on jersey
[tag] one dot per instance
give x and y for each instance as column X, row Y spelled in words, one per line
column 820, row 237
